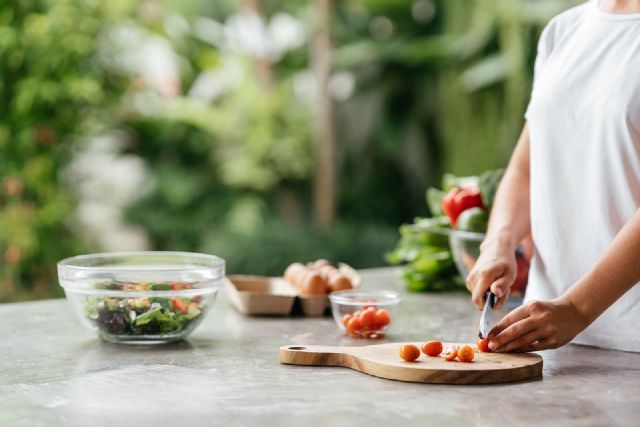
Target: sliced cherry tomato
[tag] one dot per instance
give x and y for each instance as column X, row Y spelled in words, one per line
column 450, row 353
column 483, row 345
column 432, row 348
column 409, row 352
column 345, row 319
column 368, row 318
column 465, row 354
column 180, row 305
column 383, row 318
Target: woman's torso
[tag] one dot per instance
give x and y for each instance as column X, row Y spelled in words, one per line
column 584, row 125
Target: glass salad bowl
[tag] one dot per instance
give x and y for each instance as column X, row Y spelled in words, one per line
column 142, row 297
column 465, row 248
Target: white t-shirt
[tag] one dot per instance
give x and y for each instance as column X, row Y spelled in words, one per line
column 584, row 124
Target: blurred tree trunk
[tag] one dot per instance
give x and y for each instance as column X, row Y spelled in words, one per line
column 324, row 142
column 289, row 206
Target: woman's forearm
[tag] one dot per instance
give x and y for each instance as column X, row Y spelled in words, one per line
column 510, row 217
column 615, row 273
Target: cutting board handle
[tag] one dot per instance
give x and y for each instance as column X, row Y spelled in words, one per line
column 314, row 355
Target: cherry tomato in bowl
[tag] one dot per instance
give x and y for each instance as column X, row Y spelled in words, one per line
column 374, row 311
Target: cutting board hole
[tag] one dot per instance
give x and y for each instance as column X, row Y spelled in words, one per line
column 297, row 348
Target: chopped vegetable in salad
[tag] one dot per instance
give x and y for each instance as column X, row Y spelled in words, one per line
column 145, row 315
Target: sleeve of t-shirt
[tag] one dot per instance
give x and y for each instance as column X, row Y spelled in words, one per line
column 545, row 46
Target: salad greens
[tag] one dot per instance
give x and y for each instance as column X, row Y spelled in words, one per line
column 143, row 316
column 423, row 247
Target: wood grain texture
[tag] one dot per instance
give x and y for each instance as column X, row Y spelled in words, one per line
column 383, row 361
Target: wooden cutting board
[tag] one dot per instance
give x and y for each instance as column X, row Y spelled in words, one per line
column 383, row 361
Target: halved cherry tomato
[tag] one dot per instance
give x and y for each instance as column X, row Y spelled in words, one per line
column 483, row 345
column 383, row 318
column 180, row 305
column 465, row 354
column 409, row 352
column 432, row 348
column 450, row 353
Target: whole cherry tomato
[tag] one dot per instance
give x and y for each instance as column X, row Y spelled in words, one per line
column 383, row 318
column 432, row 348
column 450, row 353
column 354, row 326
column 368, row 318
column 483, row 345
column 345, row 319
column 409, row 352
column 465, row 354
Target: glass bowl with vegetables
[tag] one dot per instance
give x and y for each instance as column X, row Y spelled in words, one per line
column 142, row 297
column 364, row 314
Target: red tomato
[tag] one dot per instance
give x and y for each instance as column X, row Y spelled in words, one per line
column 483, row 345
column 465, row 354
column 383, row 318
column 368, row 318
column 432, row 348
column 447, row 202
column 409, row 352
column 459, row 200
column 450, row 353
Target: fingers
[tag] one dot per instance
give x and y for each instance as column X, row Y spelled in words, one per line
column 508, row 320
column 514, row 331
column 503, row 298
column 484, row 279
column 502, row 285
column 539, row 345
column 522, row 341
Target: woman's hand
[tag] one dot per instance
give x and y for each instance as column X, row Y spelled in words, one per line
column 495, row 269
column 538, row 325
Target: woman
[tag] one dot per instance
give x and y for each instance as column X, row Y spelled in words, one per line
column 574, row 183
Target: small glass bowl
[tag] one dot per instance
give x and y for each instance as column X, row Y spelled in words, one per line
column 348, row 303
column 141, row 297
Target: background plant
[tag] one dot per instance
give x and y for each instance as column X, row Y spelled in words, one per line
column 224, row 133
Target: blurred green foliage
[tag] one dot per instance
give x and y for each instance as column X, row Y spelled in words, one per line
column 422, row 87
column 51, row 92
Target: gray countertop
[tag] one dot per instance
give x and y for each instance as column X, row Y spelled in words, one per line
column 54, row 372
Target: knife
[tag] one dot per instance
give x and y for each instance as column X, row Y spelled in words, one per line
column 486, row 320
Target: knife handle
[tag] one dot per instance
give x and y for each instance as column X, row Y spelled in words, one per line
column 492, row 299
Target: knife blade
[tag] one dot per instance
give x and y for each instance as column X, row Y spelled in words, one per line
column 486, row 319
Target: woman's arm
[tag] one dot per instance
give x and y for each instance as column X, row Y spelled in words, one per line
column 509, row 224
column 542, row 325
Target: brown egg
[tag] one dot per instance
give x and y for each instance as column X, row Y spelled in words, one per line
column 321, row 263
column 294, row 272
column 327, row 271
column 339, row 282
column 313, row 284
